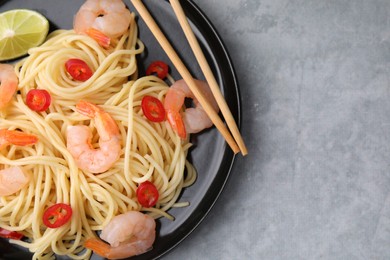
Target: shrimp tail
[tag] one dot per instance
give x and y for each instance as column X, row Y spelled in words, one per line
column 176, row 121
column 88, row 109
column 102, row 39
column 15, row 137
column 173, row 103
column 103, row 119
column 98, row 247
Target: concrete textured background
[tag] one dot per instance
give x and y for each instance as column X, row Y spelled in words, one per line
column 314, row 81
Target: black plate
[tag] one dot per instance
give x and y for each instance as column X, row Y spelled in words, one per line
column 211, row 156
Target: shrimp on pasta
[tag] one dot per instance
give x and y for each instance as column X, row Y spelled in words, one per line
column 9, row 84
column 194, row 119
column 13, row 179
column 102, row 20
column 128, row 234
column 79, row 140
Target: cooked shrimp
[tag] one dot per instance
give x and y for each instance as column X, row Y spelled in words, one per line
column 102, row 19
column 128, row 234
column 9, row 84
column 12, row 180
column 194, row 119
column 79, row 140
column 8, row 137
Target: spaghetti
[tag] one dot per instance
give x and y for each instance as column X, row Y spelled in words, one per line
column 150, row 151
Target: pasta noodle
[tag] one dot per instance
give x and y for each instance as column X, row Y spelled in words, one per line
column 150, row 151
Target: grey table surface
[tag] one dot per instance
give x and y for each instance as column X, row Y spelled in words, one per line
column 314, row 78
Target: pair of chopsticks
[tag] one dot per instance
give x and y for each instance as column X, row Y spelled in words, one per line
column 236, row 143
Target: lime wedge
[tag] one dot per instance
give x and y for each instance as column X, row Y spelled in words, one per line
column 20, row 30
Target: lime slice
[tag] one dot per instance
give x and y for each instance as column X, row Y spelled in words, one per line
column 20, row 30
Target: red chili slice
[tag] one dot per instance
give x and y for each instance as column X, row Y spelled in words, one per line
column 153, row 109
column 5, row 233
column 159, row 68
column 38, row 99
column 57, row 215
column 147, row 194
column 78, row 69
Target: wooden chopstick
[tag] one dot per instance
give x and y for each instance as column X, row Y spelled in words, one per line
column 175, row 59
column 205, row 67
